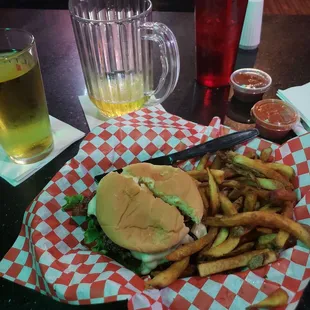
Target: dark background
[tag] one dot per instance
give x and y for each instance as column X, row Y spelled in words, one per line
column 158, row 5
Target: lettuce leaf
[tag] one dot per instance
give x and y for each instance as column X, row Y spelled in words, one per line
column 92, row 233
column 72, row 201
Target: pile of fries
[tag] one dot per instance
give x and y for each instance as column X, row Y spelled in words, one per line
column 248, row 203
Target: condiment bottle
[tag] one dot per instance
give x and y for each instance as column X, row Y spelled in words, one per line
column 251, row 31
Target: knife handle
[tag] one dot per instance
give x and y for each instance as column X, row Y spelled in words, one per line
column 217, row 144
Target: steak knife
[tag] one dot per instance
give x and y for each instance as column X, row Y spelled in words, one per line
column 217, row 144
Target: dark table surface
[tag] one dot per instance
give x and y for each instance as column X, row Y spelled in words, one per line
column 284, row 53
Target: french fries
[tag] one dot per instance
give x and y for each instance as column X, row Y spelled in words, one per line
column 225, row 247
column 252, row 235
column 214, row 194
column 242, row 260
column 241, row 249
column 229, row 173
column 238, row 203
column 276, row 299
column 261, row 193
column 306, row 227
column 218, row 175
column 258, row 167
column 221, row 237
column 264, row 230
column 248, row 202
column 282, row 235
column 270, row 257
column 251, row 154
column 269, row 184
column 285, row 170
column 199, row 175
column 288, row 209
column 169, row 275
column 246, row 174
column 227, row 206
column 280, row 195
column 189, row 271
column 265, row 154
column 239, row 231
column 203, row 162
column 256, row 261
column 217, row 163
column 266, row 241
column 234, row 194
column 265, row 219
column 269, row 208
column 204, row 199
column 189, row 249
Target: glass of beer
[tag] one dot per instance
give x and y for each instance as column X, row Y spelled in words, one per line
column 25, row 130
column 114, row 40
column 218, row 30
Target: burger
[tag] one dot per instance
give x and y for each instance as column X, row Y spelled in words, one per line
column 141, row 215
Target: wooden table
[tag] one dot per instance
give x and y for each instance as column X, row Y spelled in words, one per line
column 284, row 53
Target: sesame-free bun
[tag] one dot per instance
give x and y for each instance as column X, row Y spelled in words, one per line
column 137, row 217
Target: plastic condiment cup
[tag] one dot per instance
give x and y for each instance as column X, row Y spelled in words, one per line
column 246, row 90
column 274, row 118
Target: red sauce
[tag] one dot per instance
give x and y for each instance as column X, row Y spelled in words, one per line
column 274, row 118
column 250, row 84
column 250, row 80
column 275, row 113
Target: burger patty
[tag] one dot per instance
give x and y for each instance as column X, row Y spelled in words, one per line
column 104, row 245
column 81, row 208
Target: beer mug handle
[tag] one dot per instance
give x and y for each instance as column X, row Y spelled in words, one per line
column 169, row 57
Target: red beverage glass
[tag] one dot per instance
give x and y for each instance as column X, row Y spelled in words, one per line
column 218, row 30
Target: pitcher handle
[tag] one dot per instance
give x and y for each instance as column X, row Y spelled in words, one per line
column 169, row 57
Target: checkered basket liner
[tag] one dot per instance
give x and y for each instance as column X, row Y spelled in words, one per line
column 48, row 255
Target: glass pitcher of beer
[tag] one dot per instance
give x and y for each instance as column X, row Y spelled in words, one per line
column 114, row 40
column 25, row 130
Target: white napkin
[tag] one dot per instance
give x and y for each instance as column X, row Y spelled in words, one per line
column 93, row 116
column 63, row 134
column 299, row 97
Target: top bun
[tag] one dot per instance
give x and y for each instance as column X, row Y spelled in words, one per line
column 138, row 209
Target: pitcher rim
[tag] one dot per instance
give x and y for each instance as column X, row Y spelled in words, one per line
column 134, row 17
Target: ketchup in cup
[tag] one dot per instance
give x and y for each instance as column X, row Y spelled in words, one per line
column 274, row 118
column 250, row 84
column 218, row 30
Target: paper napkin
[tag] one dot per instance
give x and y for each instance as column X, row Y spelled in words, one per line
column 299, row 97
column 63, row 134
column 93, row 116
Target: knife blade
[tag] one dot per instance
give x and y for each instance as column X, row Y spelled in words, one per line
column 217, row 144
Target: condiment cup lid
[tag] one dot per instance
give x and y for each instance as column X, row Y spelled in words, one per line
column 275, row 114
column 248, row 90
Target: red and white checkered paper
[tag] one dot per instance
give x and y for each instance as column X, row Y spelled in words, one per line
column 48, row 255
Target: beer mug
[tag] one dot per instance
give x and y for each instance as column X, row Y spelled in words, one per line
column 114, row 40
column 25, row 130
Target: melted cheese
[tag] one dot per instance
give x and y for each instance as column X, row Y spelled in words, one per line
column 151, row 261
column 199, row 230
